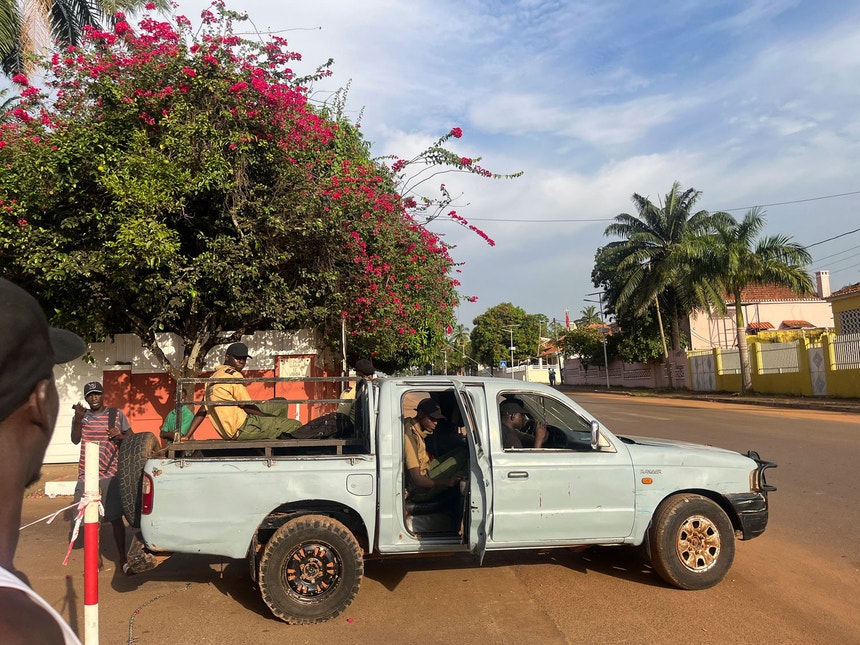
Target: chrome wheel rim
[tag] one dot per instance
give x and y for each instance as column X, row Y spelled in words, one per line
column 698, row 543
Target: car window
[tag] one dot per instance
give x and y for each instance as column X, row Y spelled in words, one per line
column 567, row 429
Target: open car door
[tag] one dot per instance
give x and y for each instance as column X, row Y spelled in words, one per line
column 479, row 495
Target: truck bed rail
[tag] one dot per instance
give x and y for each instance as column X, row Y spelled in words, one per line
column 266, row 448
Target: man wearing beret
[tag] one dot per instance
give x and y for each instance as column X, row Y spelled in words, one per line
column 29, row 403
column 244, row 421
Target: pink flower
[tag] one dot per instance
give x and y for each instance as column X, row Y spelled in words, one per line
column 149, row 6
column 239, row 87
column 20, row 79
column 456, row 133
column 189, row 72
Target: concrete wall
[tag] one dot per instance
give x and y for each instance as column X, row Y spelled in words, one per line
column 707, row 332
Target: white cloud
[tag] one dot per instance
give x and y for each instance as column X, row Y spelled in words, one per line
column 752, row 102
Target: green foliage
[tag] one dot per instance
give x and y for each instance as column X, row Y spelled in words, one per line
column 491, row 334
column 653, row 260
column 637, row 339
column 586, row 343
column 738, row 258
column 588, row 316
column 181, row 182
column 24, row 22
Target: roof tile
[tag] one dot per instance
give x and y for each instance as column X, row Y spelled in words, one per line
column 759, row 326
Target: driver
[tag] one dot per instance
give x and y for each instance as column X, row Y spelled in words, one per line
column 514, row 419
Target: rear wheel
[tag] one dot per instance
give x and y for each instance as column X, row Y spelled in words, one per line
column 311, row 570
column 134, row 451
column 692, row 542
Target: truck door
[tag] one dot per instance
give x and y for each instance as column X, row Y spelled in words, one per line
column 564, row 492
column 480, row 491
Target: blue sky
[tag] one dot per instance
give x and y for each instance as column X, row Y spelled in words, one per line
column 753, row 102
column 750, row 102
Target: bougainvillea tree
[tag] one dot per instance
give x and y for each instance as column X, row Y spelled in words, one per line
column 172, row 180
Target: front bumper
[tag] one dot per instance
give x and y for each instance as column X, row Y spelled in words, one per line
column 751, row 510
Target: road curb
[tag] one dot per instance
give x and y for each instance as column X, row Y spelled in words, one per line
column 824, row 404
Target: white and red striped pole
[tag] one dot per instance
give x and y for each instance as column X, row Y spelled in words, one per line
column 91, row 545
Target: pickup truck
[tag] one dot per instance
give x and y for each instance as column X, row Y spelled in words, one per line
column 307, row 513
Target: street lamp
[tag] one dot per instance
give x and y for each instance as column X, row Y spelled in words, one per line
column 510, row 329
column 599, row 301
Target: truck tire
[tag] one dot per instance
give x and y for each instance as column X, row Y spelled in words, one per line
column 311, row 570
column 692, row 542
column 134, row 450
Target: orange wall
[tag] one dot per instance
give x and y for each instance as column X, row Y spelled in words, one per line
column 147, row 398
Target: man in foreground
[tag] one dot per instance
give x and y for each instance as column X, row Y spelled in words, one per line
column 29, row 403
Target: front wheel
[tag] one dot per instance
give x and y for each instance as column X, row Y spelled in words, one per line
column 311, row 570
column 692, row 542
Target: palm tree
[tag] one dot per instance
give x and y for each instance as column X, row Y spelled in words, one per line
column 660, row 245
column 588, row 316
column 459, row 339
column 29, row 27
column 738, row 259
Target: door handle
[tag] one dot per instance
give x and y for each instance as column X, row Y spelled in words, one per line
column 518, row 474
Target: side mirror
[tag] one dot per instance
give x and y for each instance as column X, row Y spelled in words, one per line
column 595, row 435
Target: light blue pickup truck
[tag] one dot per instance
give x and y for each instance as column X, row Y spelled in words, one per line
column 307, row 513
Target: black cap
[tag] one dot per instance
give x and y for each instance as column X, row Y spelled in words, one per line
column 29, row 348
column 429, row 407
column 239, row 350
column 364, row 366
column 93, row 386
column 510, row 406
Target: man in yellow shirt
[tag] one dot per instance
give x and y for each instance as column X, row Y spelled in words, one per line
column 246, row 421
column 430, row 478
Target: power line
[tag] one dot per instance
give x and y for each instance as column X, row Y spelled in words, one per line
column 830, row 239
column 833, row 255
column 609, row 219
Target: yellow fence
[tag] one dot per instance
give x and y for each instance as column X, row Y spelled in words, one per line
column 828, row 365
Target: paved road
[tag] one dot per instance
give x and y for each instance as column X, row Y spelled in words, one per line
column 798, row 583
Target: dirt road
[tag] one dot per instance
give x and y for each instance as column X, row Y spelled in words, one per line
column 784, row 587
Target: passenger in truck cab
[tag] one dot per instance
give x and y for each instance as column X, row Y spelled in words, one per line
column 448, row 435
column 429, row 478
column 513, row 417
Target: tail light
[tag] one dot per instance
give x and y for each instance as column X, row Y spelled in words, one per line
column 147, row 492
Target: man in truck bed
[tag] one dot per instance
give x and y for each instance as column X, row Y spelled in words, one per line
column 246, row 421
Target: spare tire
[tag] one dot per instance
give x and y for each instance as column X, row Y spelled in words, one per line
column 134, row 451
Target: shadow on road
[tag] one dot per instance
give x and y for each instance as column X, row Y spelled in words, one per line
column 230, row 577
column 625, row 563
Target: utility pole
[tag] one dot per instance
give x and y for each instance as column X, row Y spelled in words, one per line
column 510, row 329
column 599, row 301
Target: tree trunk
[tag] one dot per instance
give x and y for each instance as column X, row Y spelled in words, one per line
column 743, row 348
